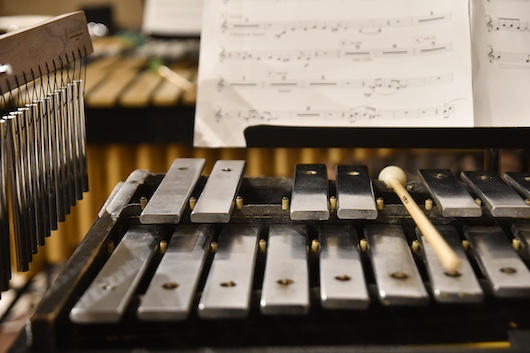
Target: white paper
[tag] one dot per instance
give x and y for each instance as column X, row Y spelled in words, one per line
column 355, row 63
column 172, row 17
column 501, row 53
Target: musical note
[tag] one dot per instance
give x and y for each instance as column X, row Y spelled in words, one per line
column 363, row 113
column 355, row 53
column 351, row 115
column 261, row 62
column 372, row 86
column 366, row 26
column 507, row 24
column 511, row 58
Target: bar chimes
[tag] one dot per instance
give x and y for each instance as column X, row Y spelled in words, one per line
column 43, row 170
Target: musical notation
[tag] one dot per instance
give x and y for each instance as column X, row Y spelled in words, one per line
column 352, row 115
column 507, row 23
column 370, row 86
column 374, row 25
column 501, row 42
column 508, row 57
column 356, row 53
column 388, row 60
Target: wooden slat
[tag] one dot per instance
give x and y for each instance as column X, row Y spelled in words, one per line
column 108, row 92
column 138, row 94
column 97, row 71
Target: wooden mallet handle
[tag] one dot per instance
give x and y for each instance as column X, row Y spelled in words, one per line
column 394, row 177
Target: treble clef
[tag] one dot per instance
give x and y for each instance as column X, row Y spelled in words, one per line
column 220, row 84
column 491, row 55
column 222, row 54
column 219, row 114
column 489, row 24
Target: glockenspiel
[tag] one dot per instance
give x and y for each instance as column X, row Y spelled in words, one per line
column 184, row 260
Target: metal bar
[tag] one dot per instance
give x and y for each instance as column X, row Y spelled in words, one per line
column 5, row 261
column 216, row 202
column 398, row 279
column 172, row 289
column 309, row 199
column 450, row 196
column 171, row 197
column 77, row 139
column 456, row 287
column 107, row 297
column 81, row 124
column 507, row 274
column 37, row 212
column 286, row 281
column 228, row 287
column 26, row 208
column 520, row 182
column 355, row 195
column 66, row 147
column 40, row 170
column 342, row 284
column 71, row 142
column 47, row 164
column 125, row 192
column 55, row 153
column 22, row 249
column 497, row 196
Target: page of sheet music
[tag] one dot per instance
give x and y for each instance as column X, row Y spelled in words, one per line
column 501, row 53
column 354, row 63
column 172, row 17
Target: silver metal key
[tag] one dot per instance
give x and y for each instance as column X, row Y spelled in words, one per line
column 286, row 281
column 507, row 274
column 216, row 202
column 355, row 195
column 398, row 279
column 107, row 297
column 450, row 196
column 451, row 287
column 520, row 182
column 342, row 284
column 172, row 289
column 228, row 288
column 500, row 199
column 309, row 198
column 171, row 197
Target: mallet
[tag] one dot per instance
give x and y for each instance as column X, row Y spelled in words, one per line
column 395, row 178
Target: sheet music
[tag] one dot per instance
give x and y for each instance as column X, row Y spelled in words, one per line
column 501, row 51
column 172, row 17
column 355, row 63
